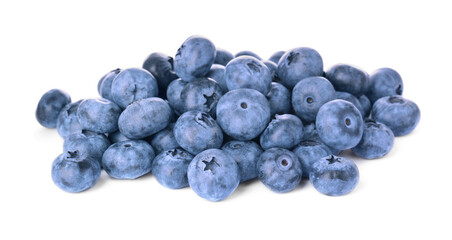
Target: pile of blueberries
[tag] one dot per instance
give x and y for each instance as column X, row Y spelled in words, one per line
column 211, row 120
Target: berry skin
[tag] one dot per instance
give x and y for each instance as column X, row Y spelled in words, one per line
column 173, row 94
column 196, row 131
column 339, row 124
column 247, row 53
column 279, row 170
column 246, row 154
column 202, row 95
column 128, row 159
column 213, row 174
column 98, row 115
column 164, row 140
column 279, row 99
column 144, row 118
column 161, row 67
column 194, row 58
column 308, row 152
column 310, row 133
column 117, row 137
column 272, row 67
column 74, row 173
column 351, row 98
column 276, row 56
column 170, row 168
column 384, row 82
column 284, row 131
column 131, row 85
column 399, row 114
column 376, row 142
column 104, row 86
column 309, row 95
column 347, row 78
column 50, row 106
column 87, row 144
column 297, row 64
column 365, row 104
column 243, row 113
column 334, row 176
column 248, row 72
column 223, row 57
column 216, row 73
column 67, row 122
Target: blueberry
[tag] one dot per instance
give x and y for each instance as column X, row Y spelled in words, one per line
column 334, row 151
column 334, row 176
column 131, row 85
column 161, row 67
column 347, row 78
column 297, row 64
column 173, row 94
column 308, row 152
column 399, row 114
column 87, row 144
column 384, row 82
column 223, row 57
column 98, row 115
column 246, row 154
column 247, row 53
column 365, row 104
column 105, row 83
column 144, row 118
column 352, row 99
column 74, row 173
column 339, row 124
column 213, row 174
column 216, row 73
column 201, row 94
column 243, row 113
column 194, row 58
column 67, row 122
column 376, row 142
column 309, row 95
column 276, row 56
column 284, row 131
column 164, row 140
column 170, row 168
column 99, row 84
column 279, row 99
column 279, row 170
column 248, row 72
column 50, row 105
column 173, row 116
column 117, row 137
column 272, row 67
column 197, row 131
column 310, row 133
column 128, row 159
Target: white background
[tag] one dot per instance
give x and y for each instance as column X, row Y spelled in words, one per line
column 56, row 44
